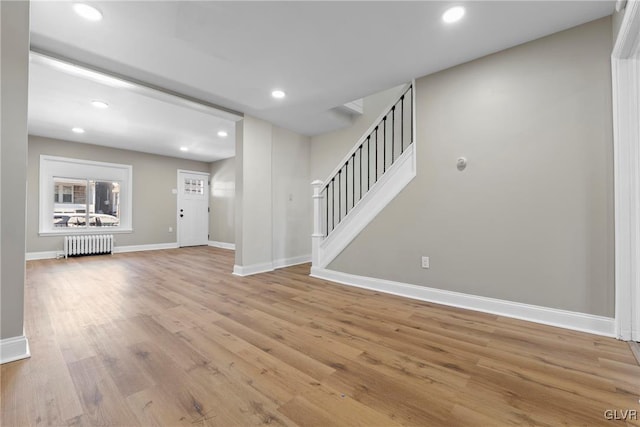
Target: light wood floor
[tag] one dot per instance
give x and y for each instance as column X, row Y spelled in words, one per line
column 171, row 338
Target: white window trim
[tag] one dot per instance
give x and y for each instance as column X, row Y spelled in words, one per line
column 52, row 166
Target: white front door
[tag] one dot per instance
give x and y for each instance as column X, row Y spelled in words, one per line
column 193, row 208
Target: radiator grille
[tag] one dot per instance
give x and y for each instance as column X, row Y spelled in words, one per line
column 88, row 244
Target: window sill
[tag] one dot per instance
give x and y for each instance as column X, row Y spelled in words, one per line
column 97, row 230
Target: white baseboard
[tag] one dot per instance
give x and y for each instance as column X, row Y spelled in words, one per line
column 583, row 322
column 288, row 262
column 222, row 245
column 34, row 256
column 248, row 270
column 14, row 348
column 138, row 248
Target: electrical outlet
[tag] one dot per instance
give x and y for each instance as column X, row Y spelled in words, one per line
column 425, row 262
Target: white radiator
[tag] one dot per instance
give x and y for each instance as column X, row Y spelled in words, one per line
column 88, row 244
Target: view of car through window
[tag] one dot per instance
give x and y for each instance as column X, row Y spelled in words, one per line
column 74, row 197
column 80, row 220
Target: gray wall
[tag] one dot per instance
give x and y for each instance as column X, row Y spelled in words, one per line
column 14, row 78
column 291, row 186
column 154, row 205
column 531, row 218
column 222, row 202
column 273, row 194
column 328, row 149
column 253, row 200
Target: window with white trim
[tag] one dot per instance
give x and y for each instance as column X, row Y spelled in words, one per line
column 82, row 196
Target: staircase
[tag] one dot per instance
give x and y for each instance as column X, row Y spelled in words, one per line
column 373, row 172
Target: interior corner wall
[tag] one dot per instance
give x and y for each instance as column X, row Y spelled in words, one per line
column 531, row 217
column 154, row 178
column 222, row 201
column 292, row 203
column 14, row 78
column 329, row 148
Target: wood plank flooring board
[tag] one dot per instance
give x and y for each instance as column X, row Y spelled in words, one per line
column 293, row 313
column 570, row 367
column 119, row 361
column 241, row 401
column 269, row 365
column 153, row 407
column 624, row 374
column 602, row 394
column 441, row 377
column 236, row 368
column 524, row 396
column 44, row 383
column 432, row 352
column 307, row 414
column 191, row 398
column 347, row 411
column 172, row 338
column 307, row 340
column 173, row 346
column 292, row 357
column 101, row 400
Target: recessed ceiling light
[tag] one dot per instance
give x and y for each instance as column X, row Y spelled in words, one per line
column 99, row 104
column 454, row 14
column 222, row 134
column 184, row 149
column 89, row 13
column 278, row 94
column 77, row 130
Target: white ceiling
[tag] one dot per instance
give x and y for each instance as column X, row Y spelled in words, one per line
column 60, row 100
column 322, row 54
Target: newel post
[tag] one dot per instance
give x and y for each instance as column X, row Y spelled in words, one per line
column 317, row 235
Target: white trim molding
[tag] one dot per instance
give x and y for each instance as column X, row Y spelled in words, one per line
column 222, row 245
column 288, row 262
column 248, row 270
column 265, row 267
column 52, row 168
column 625, row 69
column 140, row 248
column 14, row 348
column 583, row 322
column 34, row 256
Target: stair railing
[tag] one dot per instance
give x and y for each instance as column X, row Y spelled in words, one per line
column 362, row 167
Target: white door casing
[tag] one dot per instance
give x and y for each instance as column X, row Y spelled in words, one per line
column 625, row 63
column 193, row 208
